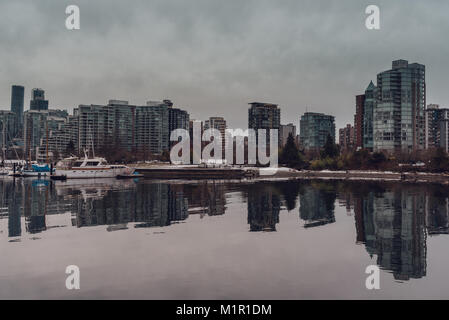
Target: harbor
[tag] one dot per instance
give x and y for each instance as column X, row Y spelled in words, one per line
column 202, row 172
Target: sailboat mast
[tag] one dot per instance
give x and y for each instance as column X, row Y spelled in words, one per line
column 12, row 146
column 92, row 142
column 29, row 141
column 3, row 141
column 46, row 144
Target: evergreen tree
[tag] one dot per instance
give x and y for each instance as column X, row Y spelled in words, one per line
column 329, row 150
column 290, row 155
column 440, row 161
column 70, row 149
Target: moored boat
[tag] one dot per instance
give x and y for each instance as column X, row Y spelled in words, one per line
column 87, row 168
column 4, row 171
column 36, row 171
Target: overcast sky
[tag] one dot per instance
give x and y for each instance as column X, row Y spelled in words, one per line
column 213, row 57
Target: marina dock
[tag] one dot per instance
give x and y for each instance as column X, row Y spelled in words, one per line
column 195, row 172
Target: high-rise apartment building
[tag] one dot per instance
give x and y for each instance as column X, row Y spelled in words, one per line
column 314, row 129
column 218, row 123
column 38, row 126
column 102, row 128
column 432, row 125
column 285, row 131
column 95, row 127
column 359, row 121
column 437, row 127
column 436, row 131
column 38, row 101
column 398, row 117
column 346, row 138
column 120, row 125
column 363, row 119
column 17, row 99
column 62, row 139
column 368, row 111
column 177, row 118
column 264, row 116
column 152, row 127
column 444, row 133
column 7, row 129
column 193, row 126
column 124, row 124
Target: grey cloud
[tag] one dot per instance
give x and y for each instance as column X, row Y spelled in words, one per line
column 213, row 57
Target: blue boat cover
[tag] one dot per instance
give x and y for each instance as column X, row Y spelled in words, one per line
column 41, row 168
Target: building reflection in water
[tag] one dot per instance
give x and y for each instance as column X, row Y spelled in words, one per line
column 149, row 205
column 112, row 203
column 290, row 191
column 207, row 198
column 11, row 198
column 33, row 200
column 437, row 208
column 317, row 204
column 264, row 205
column 391, row 225
column 392, row 221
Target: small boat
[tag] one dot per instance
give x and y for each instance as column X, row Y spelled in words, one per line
column 4, row 171
column 37, row 171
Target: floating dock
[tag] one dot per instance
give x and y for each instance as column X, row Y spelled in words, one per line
column 195, row 172
column 130, row 176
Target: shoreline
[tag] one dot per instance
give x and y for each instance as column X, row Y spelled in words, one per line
column 252, row 174
column 364, row 175
column 173, row 172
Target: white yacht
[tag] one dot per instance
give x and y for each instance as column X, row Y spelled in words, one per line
column 76, row 168
column 4, row 171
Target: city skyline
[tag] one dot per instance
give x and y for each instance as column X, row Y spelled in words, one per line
column 203, row 60
column 224, row 158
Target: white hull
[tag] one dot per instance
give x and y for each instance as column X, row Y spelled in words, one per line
column 35, row 174
column 88, row 173
column 27, row 174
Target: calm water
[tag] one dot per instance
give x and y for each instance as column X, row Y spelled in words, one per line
column 215, row 240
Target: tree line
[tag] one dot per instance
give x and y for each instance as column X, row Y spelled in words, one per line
column 330, row 157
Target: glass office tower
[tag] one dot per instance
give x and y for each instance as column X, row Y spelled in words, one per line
column 399, row 119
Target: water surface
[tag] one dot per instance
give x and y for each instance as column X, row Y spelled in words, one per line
column 222, row 240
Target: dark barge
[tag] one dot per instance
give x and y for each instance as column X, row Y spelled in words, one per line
column 195, row 173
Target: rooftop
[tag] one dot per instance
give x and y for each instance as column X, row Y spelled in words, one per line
column 263, row 104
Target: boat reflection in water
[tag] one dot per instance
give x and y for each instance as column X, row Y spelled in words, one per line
column 392, row 221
